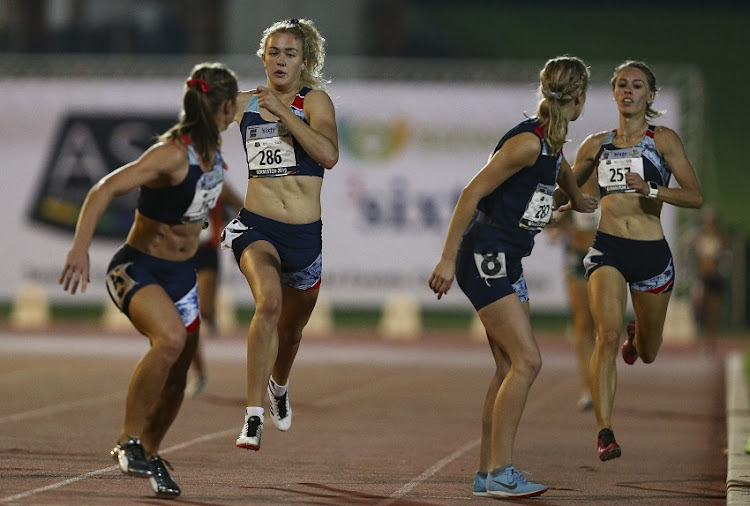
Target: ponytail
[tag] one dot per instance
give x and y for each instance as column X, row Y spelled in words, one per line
column 561, row 80
column 209, row 86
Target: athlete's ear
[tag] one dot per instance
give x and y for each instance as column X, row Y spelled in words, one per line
column 580, row 97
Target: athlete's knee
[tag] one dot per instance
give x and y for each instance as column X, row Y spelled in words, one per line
column 528, row 365
column 170, row 345
column 608, row 338
column 268, row 307
column 648, row 349
column 290, row 335
column 647, row 357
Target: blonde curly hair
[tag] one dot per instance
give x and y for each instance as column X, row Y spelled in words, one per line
column 313, row 49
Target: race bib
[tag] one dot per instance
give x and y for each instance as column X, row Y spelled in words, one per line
column 270, row 150
column 615, row 164
column 206, row 195
column 490, row 265
column 538, row 209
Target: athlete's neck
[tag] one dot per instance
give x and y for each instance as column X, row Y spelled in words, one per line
column 287, row 95
column 631, row 131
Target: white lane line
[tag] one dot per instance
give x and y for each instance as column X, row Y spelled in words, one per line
column 429, row 473
column 58, row 408
column 29, row 493
column 330, row 401
column 531, row 409
column 46, row 488
column 363, row 392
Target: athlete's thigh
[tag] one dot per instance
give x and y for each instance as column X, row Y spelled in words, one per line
column 608, row 297
column 650, row 313
column 297, row 306
column 154, row 314
column 507, row 323
column 578, row 295
column 207, row 285
column 261, row 266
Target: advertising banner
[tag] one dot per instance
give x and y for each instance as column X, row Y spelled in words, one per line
column 406, row 151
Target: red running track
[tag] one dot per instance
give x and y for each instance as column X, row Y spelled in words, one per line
column 375, row 423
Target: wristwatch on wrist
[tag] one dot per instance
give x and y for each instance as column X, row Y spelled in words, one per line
column 653, row 190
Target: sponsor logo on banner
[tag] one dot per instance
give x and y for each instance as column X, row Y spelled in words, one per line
column 85, row 148
column 400, row 205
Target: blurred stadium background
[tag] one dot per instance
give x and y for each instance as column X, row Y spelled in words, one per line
column 423, row 90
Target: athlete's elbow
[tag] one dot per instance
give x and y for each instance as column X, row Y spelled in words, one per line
column 698, row 201
column 103, row 191
column 329, row 160
column 694, row 199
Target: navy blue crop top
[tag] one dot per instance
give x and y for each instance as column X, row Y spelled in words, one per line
column 270, row 150
column 508, row 218
column 613, row 162
column 188, row 201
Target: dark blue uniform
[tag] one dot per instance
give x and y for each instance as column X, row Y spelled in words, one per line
column 271, row 151
column 488, row 266
column 187, row 202
column 647, row 266
column 613, row 162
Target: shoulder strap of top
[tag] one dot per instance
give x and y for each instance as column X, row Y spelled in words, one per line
column 610, row 137
column 252, row 105
column 192, row 157
column 539, row 131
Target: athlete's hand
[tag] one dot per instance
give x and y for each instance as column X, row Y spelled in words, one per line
column 442, row 276
column 76, row 271
column 559, row 199
column 636, row 182
column 268, row 100
column 584, row 204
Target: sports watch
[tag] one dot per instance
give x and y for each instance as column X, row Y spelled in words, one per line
column 653, row 190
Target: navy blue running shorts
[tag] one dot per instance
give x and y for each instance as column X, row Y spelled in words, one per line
column 487, row 277
column 647, row 266
column 300, row 247
column 130, row 270
column 207, row 257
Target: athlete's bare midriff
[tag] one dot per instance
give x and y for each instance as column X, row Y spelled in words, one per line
column 174, row 242
column 288, row 199
column 631, row 216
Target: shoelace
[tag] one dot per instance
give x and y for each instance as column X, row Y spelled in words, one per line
column 251, row 427
column 281, row 405
column 160, row 464
column 520, row 477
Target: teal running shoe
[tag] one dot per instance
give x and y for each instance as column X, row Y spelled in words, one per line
column 509, row 482
column 480, row 484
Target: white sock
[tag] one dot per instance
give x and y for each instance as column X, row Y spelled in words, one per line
column 276, row 389
column 254, row 411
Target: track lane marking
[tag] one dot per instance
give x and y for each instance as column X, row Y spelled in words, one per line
column 530, row 410
column 58, row 408
column 69, row 481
